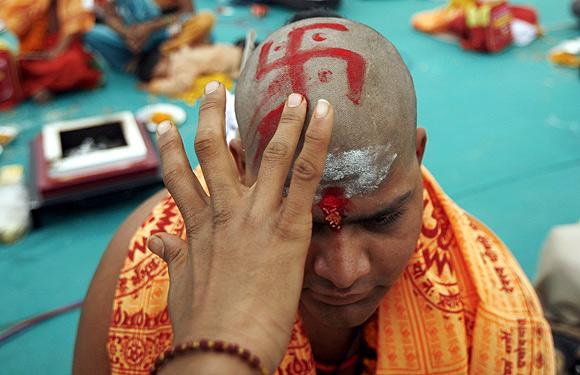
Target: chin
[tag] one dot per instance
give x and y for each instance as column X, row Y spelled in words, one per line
column 342, row 316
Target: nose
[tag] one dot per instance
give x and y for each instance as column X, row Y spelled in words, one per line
column 340, row 258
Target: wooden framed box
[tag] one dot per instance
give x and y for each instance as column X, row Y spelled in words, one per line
column 87, row 158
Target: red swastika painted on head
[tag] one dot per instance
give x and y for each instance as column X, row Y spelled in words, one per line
column 293, row 63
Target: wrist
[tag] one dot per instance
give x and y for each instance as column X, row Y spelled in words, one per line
column 268, row 344
column 207, row 364
column 208, row 356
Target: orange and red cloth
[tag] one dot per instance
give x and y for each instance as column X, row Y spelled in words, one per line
column 462, row 305
column 74, row 68
column 28, row 19
column 481, row 25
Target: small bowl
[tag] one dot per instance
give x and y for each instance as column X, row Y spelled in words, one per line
column 146, row 114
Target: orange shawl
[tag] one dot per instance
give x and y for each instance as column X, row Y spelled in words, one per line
column 28, row 19
column 462, row 306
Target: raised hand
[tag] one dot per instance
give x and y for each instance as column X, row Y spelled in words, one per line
column 239, row 276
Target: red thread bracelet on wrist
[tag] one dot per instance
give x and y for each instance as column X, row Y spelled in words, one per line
column 209, row 346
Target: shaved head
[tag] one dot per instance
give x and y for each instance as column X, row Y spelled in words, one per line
column 353, row 67
column 367, row 213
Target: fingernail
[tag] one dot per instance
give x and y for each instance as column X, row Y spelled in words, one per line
column 163, row 127
column 211, row 87
column 322, row 108
column 155, row 244
column 294, row 100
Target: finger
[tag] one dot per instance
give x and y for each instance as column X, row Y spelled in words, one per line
column 167, row 246
column 178, row 177
column 211, row 147
column 309, row 165
column 174, row 252
column 279, row 153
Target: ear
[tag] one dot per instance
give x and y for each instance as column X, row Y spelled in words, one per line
column 421, row 143
column 239, row 155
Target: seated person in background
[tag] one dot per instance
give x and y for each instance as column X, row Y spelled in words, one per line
column 196, row 30
column 173, row 68
column 313, row 13
column 176, row 72
column 558, row 287
column 398, row 278
column 52, row 58
column 134, row 26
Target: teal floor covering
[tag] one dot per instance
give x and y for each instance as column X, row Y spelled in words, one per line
column 504, row 141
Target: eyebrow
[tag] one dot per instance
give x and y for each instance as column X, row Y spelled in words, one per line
column 390, row 209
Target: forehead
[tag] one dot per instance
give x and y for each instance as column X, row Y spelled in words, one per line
column 401, row 180
column 357, row 172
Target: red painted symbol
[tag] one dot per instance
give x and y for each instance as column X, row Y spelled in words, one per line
column 293, row 74
column 333, row 204
column 318, row 37
column 324, row 76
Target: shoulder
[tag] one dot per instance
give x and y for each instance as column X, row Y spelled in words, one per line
column 501, row 282
column 140, row 318
column 475, row 254
column 509, row 319
column 462, row 257
column 463, row 252
column 91, row 355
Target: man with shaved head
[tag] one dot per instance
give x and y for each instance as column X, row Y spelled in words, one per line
column 397, row 279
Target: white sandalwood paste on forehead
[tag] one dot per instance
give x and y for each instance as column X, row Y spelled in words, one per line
column 357, row 172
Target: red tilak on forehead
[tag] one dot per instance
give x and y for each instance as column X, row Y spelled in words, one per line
column 294, row 76
column 333, row 203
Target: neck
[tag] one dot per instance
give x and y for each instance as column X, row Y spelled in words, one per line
column 330, row 345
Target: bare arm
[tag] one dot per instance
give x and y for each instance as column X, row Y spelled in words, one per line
column 184, row 7
column 113, row 20
column 90, row 355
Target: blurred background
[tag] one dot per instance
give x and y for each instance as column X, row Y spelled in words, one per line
column 502, row 118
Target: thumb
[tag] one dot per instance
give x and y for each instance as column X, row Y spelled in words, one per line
column 167, row 246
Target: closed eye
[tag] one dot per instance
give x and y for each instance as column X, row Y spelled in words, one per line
column 384, row 222
column 388, row 219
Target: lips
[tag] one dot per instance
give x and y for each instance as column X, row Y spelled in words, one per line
column 336, row 299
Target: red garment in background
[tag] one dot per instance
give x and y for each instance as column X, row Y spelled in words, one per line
column 10, row 89
column 72, row 69
column 485, row 27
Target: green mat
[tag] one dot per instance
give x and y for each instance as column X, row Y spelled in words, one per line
column 504, row 141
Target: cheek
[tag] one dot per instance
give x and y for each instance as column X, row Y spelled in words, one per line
column 390, row 257
column 390, row 253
